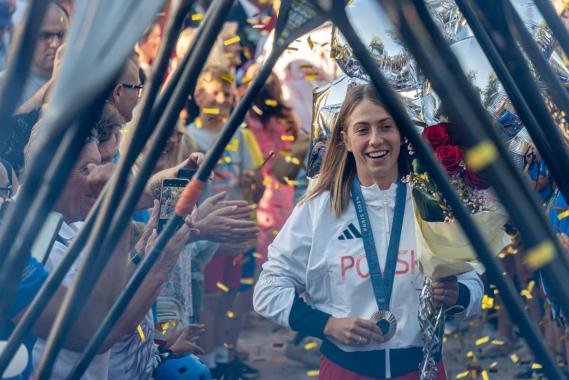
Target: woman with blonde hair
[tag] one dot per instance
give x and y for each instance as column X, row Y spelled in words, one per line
column 349, row 248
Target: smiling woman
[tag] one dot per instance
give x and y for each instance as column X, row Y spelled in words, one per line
column 351, row 231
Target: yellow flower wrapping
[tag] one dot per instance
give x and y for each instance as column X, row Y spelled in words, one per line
column 444, row 250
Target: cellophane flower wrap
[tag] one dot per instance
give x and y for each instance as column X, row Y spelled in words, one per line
column 443, row 249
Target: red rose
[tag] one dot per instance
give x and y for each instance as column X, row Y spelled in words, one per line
column 436, row 135
column 450, row 156
column 475, row 180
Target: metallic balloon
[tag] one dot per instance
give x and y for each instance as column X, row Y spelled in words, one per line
column 380, row 36
column 480, row 74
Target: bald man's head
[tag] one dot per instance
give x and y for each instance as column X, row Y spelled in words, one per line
column 51, row 35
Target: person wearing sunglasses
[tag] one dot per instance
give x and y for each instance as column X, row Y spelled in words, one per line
column 127, row 91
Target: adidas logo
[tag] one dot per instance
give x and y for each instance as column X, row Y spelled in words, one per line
column 350, row 233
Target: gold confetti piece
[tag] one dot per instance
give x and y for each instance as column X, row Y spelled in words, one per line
column 306, row 67
column 222, row 287
column 310, row 43
column 267, row 181
column 198, row 122
column 247, row 53
column 290, row 182
column 266, row 19
column 248, row 281
column 531, row 285
column 310, row 345
column 230, row 314
column 232, row 41
column 229, row 346
column 124, row 131
column 287, row 138
column 470, row 355
column 462, row 375
column 514, row 358
column 485, row 375
column 233, row 146
column 487, row 302
column 540, row 255
column 197, row 16
column 481, row 155
column 292, row 48
column 310, row 76
column 563, row 215
column 313, row 373
column 536, row 366
column 498, row 342
column 227, row 159
column 483, row 340
column 526, row 294
column 226, row 77
column 292, row 160
column 257, row 255
column 271, row 103
column 210, row 111
column 141, row 333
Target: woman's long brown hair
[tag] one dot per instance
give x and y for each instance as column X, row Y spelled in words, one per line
column 339, row 166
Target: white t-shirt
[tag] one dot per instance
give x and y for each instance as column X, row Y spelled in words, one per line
column 66, row 359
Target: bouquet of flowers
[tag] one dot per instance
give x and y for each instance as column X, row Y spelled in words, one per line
column 443, row 249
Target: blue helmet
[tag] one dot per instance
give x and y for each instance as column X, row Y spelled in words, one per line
column 188, row 367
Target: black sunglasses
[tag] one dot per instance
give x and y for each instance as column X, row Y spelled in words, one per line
column 133, row 86
column 6, row 192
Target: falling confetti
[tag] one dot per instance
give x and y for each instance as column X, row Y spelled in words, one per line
column 230, row 314
column 536, row 366
column 141, row 333
column 310, row 345
column 124, row 131
column 233, row 146
column 462, row 375
column 313, row 373
column 197, row 16
column 232, row 41
column 482, row 341
column 248, row 281
column 287, row 137
column 271, row 103
column 514, row 358
column 310, row 43
column 198, row 122
column 210, row 111
column 227, row 77
column 487, row 302
column 222, row 286
column 563, row 215
column 257, row 255
column 485, row 375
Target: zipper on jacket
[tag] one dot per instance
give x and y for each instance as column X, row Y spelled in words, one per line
column 385, row 213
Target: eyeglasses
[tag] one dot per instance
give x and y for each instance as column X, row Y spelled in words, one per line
column 133, row 86
column 5, row 192
column 49, row 36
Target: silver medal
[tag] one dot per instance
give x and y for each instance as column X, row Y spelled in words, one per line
column 387, row 323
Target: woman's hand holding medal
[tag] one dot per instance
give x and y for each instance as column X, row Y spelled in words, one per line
column 352, row 331
column 445, row 291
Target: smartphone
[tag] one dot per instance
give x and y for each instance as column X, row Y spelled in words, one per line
column 171, row 190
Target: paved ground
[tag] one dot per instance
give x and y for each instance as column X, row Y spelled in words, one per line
column 267, row 344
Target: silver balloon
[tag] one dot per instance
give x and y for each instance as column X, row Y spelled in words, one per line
column 380, row 36
column 480, row 74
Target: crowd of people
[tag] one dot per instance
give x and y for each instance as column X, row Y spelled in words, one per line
column 260, row 240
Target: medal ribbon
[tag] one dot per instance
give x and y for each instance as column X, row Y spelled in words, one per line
column 382, row 284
